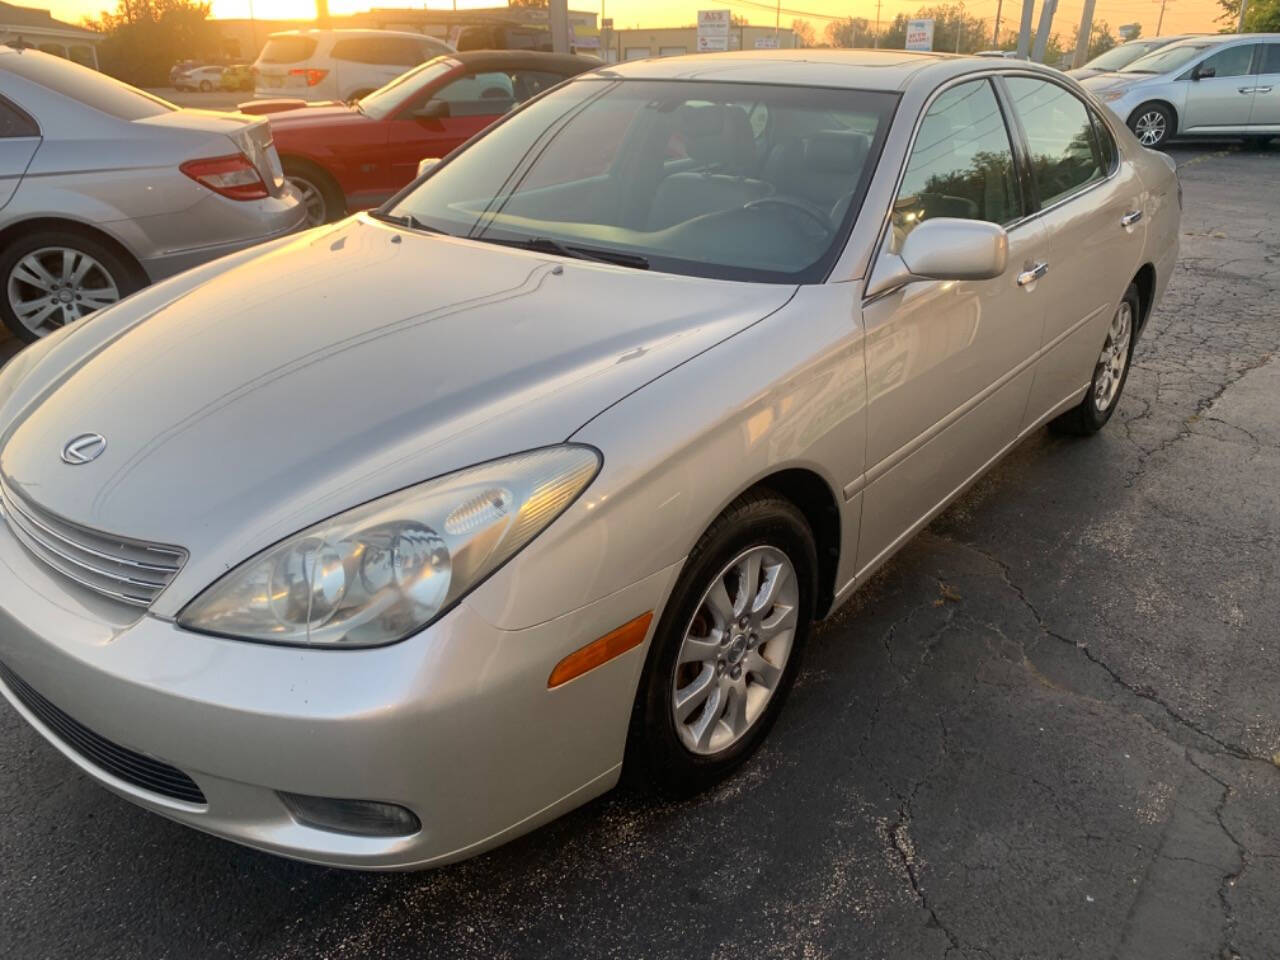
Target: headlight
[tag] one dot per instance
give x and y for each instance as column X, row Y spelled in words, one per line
column 1111, row 95
column 383, row 571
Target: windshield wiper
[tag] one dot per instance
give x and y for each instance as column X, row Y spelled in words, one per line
column 407, row 220
column 576, row 251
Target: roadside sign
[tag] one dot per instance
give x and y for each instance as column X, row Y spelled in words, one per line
column 766, row 43
column 919, row 34
column 713, row 30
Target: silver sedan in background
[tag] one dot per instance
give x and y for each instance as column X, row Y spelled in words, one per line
column 104, row 188
column 386, row 543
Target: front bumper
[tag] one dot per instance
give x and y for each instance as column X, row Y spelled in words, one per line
column 455, row 724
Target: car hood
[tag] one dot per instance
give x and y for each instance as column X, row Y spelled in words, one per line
column 338, row 366
column 1100, row 82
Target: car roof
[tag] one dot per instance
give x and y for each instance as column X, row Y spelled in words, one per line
column 340, row 33
column 852, row 69
column 524, row 59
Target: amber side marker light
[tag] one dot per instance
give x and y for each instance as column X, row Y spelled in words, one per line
column 612, row 644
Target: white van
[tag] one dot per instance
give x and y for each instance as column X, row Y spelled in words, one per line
column 338, row 64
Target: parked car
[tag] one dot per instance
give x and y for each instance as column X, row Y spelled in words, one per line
column 182, row 66
column 998, row 54
column 338, row 64
column 104, row 188
column 347, row 157
column 1207, row 86
column 204, row 79
column 1124, row 54
column 238, row 76
column 390, row 542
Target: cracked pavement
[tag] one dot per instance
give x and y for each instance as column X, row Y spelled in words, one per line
column 1048, row 728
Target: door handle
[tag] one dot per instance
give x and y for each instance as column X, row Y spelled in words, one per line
column 1130, row 218
column 1261, row 89
column 1032, row 274
column 1246, row 89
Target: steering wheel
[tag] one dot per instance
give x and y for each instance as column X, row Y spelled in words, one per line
column 811, row 210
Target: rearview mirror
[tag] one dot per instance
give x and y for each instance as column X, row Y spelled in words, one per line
column 433, row 110
column 426, row 163
column 944, row 248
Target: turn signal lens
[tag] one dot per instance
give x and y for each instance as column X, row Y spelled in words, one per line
column 601, row 651
column 232, row 176
column 311, row 76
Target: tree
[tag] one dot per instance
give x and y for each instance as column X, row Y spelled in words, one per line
column 802, row 30
column 950, row 23
column 1100, row 40
column 1263, row 16
column 143, row 38
column 849, row 32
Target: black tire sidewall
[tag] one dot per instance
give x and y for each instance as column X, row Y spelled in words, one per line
column 655, row 746
column 124, row 275
column 334, row 202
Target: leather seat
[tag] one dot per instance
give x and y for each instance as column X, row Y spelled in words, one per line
column 822, row 168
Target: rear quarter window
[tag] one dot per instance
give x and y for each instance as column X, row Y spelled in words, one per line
column 288, row 50
column 15, row 122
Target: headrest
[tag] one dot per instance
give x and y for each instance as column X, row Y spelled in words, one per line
column 718, row 134
column 832, row 151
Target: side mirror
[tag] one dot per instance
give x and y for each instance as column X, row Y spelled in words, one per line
column 1203, row 72
column 944, row 248
column 433, row 110
column 426, row 163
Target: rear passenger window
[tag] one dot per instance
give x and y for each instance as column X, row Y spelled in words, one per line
column 1065, row 157
column 1270, row 58
column 15, row 123
column 961, row 164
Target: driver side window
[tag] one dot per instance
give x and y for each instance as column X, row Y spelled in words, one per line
column 961, row 164
column 1232, row 62
column 478, row 95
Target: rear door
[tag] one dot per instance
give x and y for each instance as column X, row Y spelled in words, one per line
column 1091, row 204
column 1266, row 91
column 19, row 139
column 1225, row 99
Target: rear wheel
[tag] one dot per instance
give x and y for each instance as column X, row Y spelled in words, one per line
column 727, row 648
column 206, row 86
column 321, row 197
column 50, row 278
column 1109, row 373
column 1153, row 124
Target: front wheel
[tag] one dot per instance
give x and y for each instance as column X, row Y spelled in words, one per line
column 321, row 197
column 206, row 86
column 1109, row 373
column 727, row 648
column 1152, row 124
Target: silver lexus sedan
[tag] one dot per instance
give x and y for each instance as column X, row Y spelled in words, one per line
column 385, row 543
column 104, row 188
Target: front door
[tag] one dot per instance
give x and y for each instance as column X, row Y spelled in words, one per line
column 1092, row 212
column 1225, row 99
column 949, row 364
column 1266, row 91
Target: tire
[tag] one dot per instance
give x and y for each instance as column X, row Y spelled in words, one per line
column 663, row 751
column 1153, row 124
column 320, row 194
column 1092, row 413
column 206, row 86
column 38, row 267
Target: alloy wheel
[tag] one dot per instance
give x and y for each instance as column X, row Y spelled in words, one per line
column 312, row 200
column 735, row 650
column 1150, row 128
column 1109, row 373
column 54, row 286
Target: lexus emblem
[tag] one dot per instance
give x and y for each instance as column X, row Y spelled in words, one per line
column 84, row 449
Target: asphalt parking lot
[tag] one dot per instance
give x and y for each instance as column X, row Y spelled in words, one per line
column 1048, row 729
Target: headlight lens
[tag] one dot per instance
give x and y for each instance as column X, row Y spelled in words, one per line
column 1111, row 95
column 383, row 571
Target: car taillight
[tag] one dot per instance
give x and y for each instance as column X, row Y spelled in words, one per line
column 232, row 176
column 312, row 76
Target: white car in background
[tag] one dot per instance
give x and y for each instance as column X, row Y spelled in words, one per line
column 204, row 79
column 338, row 64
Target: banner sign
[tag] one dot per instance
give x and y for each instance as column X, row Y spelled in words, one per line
column 713, row 30
column 919, row 34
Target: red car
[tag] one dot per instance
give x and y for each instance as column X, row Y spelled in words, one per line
column 347, row 157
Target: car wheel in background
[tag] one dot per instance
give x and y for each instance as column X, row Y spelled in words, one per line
column 50, row 278
column 1153, row 124
column 727, row 648
column 206, row 86
column 1109, row 374
column 320, row 195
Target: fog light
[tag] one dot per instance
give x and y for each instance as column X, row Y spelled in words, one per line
column 362, row 818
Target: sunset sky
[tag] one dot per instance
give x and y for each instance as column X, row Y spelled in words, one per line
column 1181, row 16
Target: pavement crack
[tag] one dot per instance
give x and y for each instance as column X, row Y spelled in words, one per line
column 1229, row 880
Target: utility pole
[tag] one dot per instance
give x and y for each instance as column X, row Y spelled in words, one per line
column 777, row 21
column 1082, row 38
column 995, row 34
column 1046, row 27
column 322, row 13
column 1160, row 20
column 1244, row 8
column 875, row 41
column 558, row 17
column 1024, row 31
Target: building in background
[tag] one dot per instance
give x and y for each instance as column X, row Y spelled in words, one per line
column 35, row 28
column 642, row 42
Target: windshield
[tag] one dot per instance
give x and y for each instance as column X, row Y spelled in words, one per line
column 1123, row 55
column 385, row 100
column 1167, row 59
column 730, row 180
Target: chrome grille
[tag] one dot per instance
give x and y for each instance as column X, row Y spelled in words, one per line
column 130, row 571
